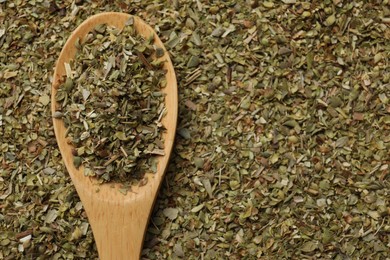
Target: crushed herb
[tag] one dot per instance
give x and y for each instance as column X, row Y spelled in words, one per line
column 112, row 104
column 282, row 148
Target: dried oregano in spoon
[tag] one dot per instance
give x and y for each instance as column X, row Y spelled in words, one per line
column 112, row 104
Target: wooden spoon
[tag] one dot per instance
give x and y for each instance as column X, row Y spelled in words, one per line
column 118, row 221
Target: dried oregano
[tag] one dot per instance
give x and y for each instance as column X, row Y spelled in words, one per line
column 112, row 104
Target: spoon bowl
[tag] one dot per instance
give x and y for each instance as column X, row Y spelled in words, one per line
column 118, row 221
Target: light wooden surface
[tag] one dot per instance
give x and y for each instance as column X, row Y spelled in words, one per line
column 118, row 221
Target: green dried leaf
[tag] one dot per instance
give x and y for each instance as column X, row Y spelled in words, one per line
column 171, row 213
column 309, row 246
column 197, row 208
column 330, row 20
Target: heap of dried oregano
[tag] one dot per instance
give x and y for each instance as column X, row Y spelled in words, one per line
column 283, row 142
column 112, row 104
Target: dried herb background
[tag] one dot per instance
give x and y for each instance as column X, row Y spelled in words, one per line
column 283, row 142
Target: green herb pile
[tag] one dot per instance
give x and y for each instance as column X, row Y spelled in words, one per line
column 113, row 105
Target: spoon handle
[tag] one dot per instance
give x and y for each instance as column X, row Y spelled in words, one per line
column 118, row 226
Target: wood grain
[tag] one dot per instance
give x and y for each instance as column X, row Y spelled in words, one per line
column 118, row 221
